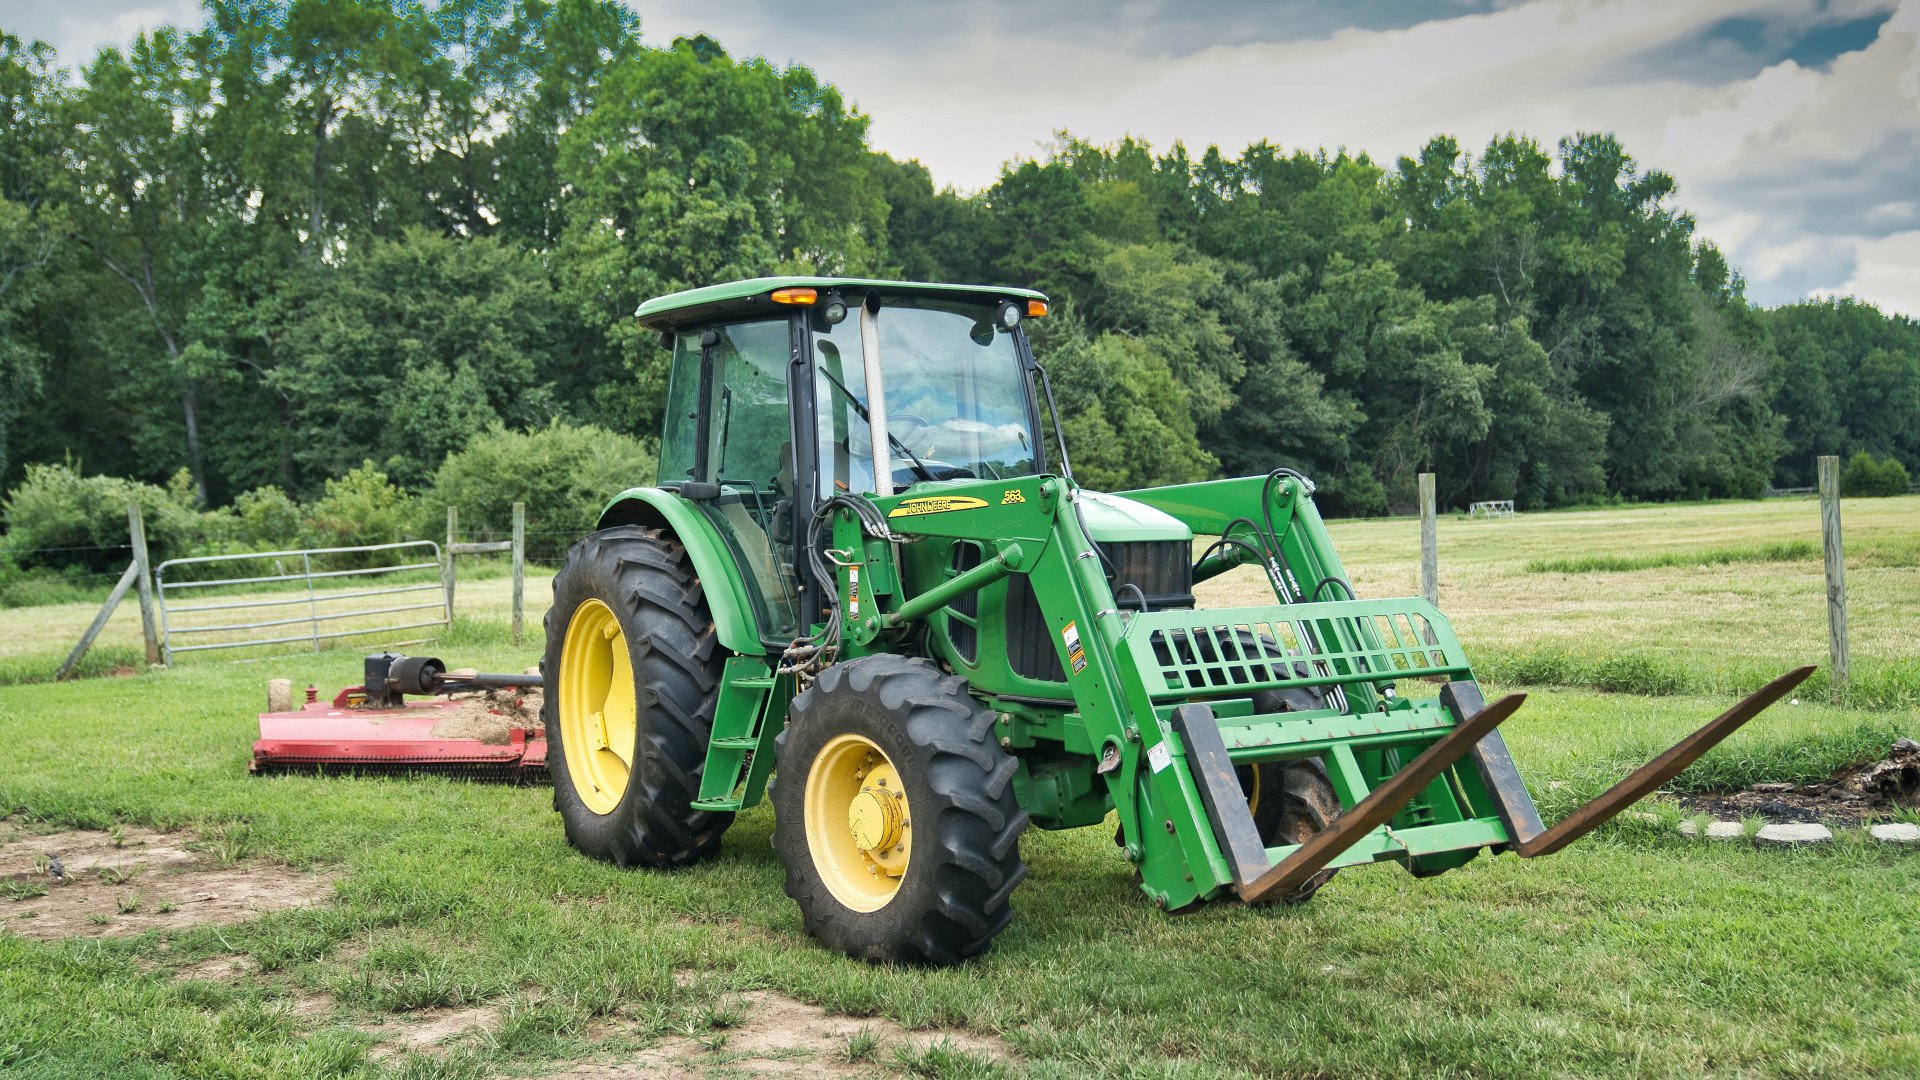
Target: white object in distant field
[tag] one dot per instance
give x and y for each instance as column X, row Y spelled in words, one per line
column 1793, row 834
column 1493, row 509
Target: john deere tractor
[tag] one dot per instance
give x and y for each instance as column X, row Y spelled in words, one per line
column 866, row 586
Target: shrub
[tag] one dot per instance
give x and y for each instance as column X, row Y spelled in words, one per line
column 565, row 475
column 1864, row 476
column 56, row 508
column 267, row 518
column 362, row 507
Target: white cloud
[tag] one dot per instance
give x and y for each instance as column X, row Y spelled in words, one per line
column 1887, row 274
column 79, row 27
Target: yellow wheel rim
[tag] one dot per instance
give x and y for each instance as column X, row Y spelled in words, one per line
column 596, row 706
column 858, row 828
column 1253, row 797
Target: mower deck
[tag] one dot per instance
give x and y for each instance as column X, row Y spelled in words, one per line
column 335, row 737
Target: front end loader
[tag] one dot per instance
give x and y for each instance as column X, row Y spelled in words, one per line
column 863, row 587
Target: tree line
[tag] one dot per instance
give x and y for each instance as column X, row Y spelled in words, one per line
column 304, row 237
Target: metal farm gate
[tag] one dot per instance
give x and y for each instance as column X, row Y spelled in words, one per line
column 324, row 615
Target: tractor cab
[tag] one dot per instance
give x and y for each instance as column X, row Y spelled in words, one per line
column 768, row 408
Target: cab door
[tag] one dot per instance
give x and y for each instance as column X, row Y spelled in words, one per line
column 729, row 423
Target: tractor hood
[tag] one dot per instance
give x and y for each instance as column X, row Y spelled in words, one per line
column 1111, row 519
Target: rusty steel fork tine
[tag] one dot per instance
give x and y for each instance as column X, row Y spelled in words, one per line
column 1378, row 807
column 1654, row 773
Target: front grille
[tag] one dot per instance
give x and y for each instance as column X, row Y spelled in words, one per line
column 1030, row 651
column 963, row 635
column 1160, row 569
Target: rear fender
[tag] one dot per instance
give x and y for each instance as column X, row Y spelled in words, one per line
column 726, row 594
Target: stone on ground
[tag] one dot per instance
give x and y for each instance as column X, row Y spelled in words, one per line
column 1725, row 830
column 1899, row 832
column 1793, row 834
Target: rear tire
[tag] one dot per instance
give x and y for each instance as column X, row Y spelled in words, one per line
column 939, row 896
column 633, row 665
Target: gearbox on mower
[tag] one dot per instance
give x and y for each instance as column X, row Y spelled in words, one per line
column 863, row 568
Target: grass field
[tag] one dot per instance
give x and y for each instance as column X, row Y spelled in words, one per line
column 1717, row 625
column 1635, row 954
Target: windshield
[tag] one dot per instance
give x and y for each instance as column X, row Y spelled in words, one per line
column 956, row 397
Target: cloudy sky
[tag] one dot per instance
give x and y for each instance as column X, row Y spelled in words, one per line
column 1793, row 127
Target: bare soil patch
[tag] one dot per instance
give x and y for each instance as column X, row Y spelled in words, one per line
column 784, row 1037
column 220, row 967
column 135, row 880
column 1861, row 793
column 423, row 1029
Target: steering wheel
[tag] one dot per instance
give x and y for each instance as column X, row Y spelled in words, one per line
column 918, row 424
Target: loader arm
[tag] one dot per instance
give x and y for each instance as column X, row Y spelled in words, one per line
column 1163, row 702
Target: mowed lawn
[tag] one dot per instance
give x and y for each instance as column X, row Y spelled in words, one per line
column 1715, row 626
column 1634, row 954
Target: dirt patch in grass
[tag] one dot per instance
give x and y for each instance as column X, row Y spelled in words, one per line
column 1852, row 795
column 424, row 1029
column 762, row 1033
column 218, row 968
column 133, row 880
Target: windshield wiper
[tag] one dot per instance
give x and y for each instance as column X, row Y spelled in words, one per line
column 918, row 465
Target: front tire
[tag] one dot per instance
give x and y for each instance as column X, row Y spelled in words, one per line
column 920, row 879
column 633, row 672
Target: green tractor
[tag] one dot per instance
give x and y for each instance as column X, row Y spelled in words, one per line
column 863, row 567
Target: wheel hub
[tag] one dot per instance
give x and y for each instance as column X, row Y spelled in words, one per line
column 874, row 818
column 858, row 830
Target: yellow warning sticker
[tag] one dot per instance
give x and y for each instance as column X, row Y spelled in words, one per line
column 1014, row 495
column 1076, row 656
column 935, row 504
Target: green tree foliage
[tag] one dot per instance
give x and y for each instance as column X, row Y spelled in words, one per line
column 412, row 348
column 564, row 473
column 313, row 234
column 1847, row 382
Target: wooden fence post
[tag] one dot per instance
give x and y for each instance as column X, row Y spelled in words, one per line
column 519, row 566
column 1836, row 578
column 99, row 622
column 1429, row 543
column 137, row 529
column 448, row 576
